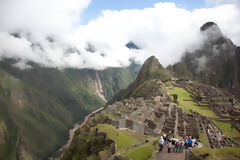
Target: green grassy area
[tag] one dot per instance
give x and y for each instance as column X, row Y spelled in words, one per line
column 237, row 106
column 226, row 129
column 218, row 100
column 123, row 139
column 218, row 153
column 126, row 141
column 141, row 153
column 204, row 140
column 190, row 88
column 187, row 105
column 168, row 83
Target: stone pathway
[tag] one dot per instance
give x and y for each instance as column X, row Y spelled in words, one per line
column 164, row 155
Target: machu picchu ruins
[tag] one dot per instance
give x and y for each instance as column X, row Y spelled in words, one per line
column 119, row 79
column 176, row 108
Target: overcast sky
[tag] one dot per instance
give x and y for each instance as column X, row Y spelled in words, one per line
column 56, row 33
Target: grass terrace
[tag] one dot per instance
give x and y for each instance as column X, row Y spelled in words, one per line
column 187, row 105
column 122, row 138
column 126, row 141
column 204, row 139
column 226, row 129
column 141, row 153
column 218, row 153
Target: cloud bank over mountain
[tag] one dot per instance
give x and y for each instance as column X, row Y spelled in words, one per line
column 48, row 32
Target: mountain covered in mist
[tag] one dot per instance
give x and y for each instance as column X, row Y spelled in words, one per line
column 184, row 99
column 215, row 62
column 39, row 105
column 130, row 127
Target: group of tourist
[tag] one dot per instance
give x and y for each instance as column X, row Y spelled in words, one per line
column 175, row 144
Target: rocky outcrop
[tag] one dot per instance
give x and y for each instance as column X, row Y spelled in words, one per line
column 98, row 88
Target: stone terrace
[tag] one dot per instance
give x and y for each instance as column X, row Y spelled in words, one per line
column 159, row 115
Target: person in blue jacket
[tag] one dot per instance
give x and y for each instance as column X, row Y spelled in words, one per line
column 190, row 142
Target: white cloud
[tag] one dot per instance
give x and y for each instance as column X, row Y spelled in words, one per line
column 164, row 31
column 217, row 2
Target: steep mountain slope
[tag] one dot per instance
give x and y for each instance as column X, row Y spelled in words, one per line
column 216, row 62
column 151, row 69
column 37, row 106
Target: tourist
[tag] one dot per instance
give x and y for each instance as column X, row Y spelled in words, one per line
column 185, row 142
column 165, row 137
column 161, row 142
column 196, row 144
column 189, row 142
column 193, row 142
column 176, row 146
column 169, row 146
column 173, row 140
column 168, row 135
column 181, row 146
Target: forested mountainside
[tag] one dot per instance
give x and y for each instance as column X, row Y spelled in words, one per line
column 143, row 84
column 39, row 105
column 216, row 62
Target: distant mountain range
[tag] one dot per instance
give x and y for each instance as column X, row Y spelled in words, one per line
column 39, row 105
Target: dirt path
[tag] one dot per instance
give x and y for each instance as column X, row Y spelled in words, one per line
column 164, row 155
column 71, row 133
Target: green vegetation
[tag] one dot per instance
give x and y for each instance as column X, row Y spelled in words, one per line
column 160, row 74
column 123, row 139
column 237, row 106
column 147, row 89
column 144, row 84
column 152, row 69
column 227, row 130
column 204, row 140
column 86, row 147
column 218, row 153
column 88, row 141
column 41, row 104
column 187, row 105
column 168, row 83
column 221, row 100
column 92, row 141
column 115, row 79
column 141, row 153
column 126, row 141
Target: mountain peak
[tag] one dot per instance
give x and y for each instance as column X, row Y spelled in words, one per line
column 208, row 25
column 212, row 30
column 132, row 45
column 150, row 69
column 151, row 65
